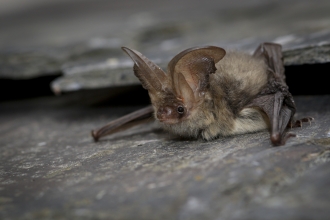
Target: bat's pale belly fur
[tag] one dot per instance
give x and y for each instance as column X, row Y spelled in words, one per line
column 238, row 79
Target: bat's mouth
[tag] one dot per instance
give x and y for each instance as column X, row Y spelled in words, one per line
column 168, row 121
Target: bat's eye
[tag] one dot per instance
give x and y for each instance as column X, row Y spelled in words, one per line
column 180, row 110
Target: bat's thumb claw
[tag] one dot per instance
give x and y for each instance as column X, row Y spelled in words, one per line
column 94, row 135
column 276, row 139
column 279, row 140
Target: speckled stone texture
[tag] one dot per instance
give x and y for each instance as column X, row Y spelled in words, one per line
column 51, row 168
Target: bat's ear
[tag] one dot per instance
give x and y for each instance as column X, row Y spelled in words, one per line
column 195, row 64
column 151, row 76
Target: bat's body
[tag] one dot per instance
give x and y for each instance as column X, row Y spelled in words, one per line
column 238, row 79
column 208, row 93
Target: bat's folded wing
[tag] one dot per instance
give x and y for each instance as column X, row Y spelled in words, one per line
column 275, row 99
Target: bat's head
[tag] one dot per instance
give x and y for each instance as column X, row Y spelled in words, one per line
column 178, row 94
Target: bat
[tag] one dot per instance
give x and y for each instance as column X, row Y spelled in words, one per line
column 209, row 93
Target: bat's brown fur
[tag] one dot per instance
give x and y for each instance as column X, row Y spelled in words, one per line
column 239, row 78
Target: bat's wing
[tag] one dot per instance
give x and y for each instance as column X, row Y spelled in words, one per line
column 125, row 121
column 275, row 99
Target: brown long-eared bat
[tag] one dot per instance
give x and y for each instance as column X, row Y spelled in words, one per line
column 209, row 93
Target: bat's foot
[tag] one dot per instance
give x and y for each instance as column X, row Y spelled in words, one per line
column 299, row 123
column 279, row 140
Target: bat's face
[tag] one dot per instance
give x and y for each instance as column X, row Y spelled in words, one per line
column 170, row 108
column 171, row 113
column 178, row 94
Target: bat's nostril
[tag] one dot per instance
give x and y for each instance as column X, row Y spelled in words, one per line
column 164, row 112
column 168, row 111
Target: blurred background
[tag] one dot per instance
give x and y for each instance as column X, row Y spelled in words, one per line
column 74, row 45
column 57, row 23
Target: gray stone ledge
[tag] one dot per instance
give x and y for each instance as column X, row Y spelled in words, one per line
column 51, row 169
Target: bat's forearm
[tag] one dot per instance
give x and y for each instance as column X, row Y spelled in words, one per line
column 113, row 125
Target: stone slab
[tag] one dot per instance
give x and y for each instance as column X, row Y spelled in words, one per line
column 51, row 168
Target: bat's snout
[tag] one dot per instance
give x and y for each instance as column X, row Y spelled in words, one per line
column 164, row 112
column 167, row 115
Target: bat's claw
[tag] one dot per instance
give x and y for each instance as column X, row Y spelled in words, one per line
column 299, row 123
column 280, row 140
column 94, row 135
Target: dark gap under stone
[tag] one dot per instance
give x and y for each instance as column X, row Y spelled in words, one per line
column 309, row 79
column 28, row 88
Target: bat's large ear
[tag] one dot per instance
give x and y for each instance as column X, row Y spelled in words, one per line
column 151, row 76
column 195, row 64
